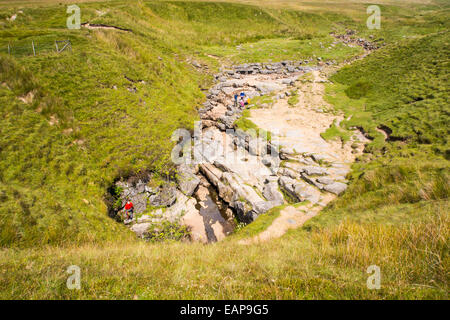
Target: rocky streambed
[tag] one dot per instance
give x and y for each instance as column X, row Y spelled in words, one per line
column 234, row 176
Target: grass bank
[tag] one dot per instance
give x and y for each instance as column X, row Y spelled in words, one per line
column 73, row 122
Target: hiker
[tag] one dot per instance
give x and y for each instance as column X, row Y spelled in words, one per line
column 243, row 99
column 129, row 209
column 235, row 100
column 242, row 103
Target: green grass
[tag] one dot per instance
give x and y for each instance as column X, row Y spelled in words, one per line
column 258, row 101
column 101, row 133
column 258, row 225
column 285, row 49
column 334, row 132
column 60, row 152
column 327, row 264
column 293, row 99
column 244, row 123
column 414, row 107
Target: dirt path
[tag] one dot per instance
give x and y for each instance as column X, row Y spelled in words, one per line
column 300, row 127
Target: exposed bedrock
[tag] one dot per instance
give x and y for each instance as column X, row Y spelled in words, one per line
column 234, row 173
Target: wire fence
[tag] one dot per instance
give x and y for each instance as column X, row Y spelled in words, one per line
column 21, row 48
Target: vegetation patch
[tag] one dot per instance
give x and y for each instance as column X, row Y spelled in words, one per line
column 293, row 99
column 165, row 230
column 334, row 132
column 261, row 223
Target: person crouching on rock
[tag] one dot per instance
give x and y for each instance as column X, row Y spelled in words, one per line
column 242, row 103
column 129, row 210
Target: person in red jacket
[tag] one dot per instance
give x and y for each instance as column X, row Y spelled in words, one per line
column 129, row 209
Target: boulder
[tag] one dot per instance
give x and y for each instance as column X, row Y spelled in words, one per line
column 311, row 181
column 252, row 94
column 187, row 180
column 268, row 87
column 263, row 206
column 211, row 172
column 225, row 192
column 140, row 202
column 314, row 170
column 214, row 92
column 140, row 186
column 273, row 162
column 288, row 173
column 325, row 180
column 166, row 196
column 141, row 229
column 244, row 212
column 150, row 190
column 228, row 121
column 288, row 81
column 208, row 123
column 182, row 206
column 340, row 171
column 228, row 91
column 221, row 126
column 257, row 146
column 285, row 152
column 305, row 192
column 271, row 193
column 288, row 185
column 336, row 187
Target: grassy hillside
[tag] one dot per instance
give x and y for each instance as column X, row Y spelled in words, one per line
column 108, row 109
column 82, row 125
column 403, row 90
column 73, row 122
column 414, row 107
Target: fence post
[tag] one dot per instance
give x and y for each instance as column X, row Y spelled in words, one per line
column 34, row 51
column 9, row 49
column 56, row 44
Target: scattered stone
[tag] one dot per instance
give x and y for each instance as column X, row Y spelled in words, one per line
column 349, row 40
